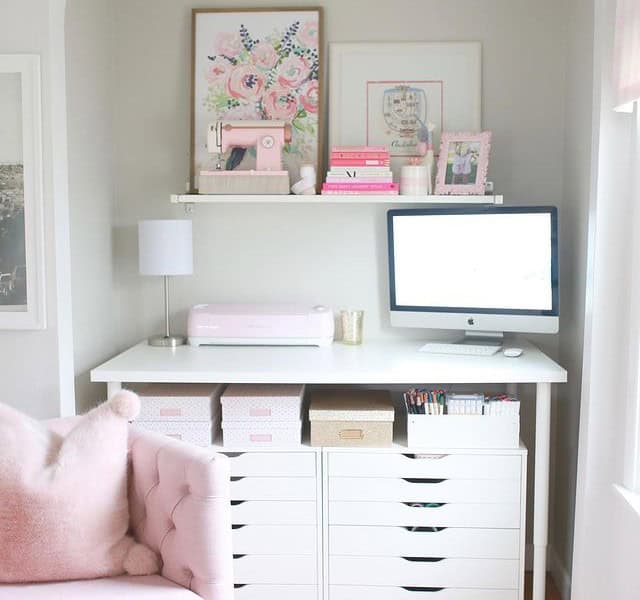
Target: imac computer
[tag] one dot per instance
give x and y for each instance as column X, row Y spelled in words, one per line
column 482, row 270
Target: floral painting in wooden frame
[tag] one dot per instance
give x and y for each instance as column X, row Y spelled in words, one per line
column 258, row 64
column 463, row 162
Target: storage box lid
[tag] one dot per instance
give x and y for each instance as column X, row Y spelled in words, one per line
column 351, row 405
column 260, row 425
column 180, row 390
column 285, row 391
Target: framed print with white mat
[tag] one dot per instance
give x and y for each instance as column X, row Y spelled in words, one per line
column 388, row 93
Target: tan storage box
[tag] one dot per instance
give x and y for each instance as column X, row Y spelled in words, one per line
column 361, row 418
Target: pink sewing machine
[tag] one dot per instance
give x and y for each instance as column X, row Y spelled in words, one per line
column 268, row 138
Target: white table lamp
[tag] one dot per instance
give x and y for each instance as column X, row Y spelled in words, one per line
column 165, row 248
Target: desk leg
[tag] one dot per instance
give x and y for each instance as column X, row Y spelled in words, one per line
column 541, row 489
column 113, row 387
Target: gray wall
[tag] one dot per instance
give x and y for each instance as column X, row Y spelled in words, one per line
column 573, row 234
column 331, row 254
column 343, row 246
column 89, row 31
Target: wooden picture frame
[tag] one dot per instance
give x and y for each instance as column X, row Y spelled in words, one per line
column 258, row 63
column 22, row 276
column 463, row 162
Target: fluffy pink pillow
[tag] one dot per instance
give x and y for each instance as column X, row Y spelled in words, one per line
column 63, row 499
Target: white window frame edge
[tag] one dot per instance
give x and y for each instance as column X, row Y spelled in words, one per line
column 28, row 66
column 631, row 480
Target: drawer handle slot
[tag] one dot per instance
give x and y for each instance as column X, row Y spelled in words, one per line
column 422, row 559
column 422, row 529
column 236, row 556
column 236, row 502
column 237, row 478
column 351, row 434
column 426, row 456
column 237, row 526
column 416, row 480
column 238, row 585
column 421, row 589
column 425, row 504
column 233, row 454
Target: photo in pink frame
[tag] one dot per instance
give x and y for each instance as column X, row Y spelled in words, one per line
column 463, row 162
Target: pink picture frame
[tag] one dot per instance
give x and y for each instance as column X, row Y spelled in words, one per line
column 463, row 163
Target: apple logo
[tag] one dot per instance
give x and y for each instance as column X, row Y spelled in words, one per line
column 470, row 321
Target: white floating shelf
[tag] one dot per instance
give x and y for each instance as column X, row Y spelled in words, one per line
column 330, row 199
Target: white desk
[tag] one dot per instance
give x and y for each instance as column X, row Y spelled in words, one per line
column 375, row 362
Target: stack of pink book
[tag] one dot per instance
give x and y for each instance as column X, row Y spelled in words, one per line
column 359, row 170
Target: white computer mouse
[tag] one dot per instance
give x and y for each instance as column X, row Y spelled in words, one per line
column 512, row 352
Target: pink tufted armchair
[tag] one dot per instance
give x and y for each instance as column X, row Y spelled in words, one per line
column 179, row 506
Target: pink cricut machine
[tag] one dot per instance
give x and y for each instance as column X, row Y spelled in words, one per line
column 260, row 325
column 267, row 137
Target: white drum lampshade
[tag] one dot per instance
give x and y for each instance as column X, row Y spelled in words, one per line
column 165, row 248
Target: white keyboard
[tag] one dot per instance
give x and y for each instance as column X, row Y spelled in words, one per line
column 466, row 349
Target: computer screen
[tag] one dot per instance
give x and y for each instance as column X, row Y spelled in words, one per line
column 475, row 261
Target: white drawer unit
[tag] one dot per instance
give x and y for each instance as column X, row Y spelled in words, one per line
column 418, row 526
column 434, row 466
column 272, row 569
column 273, row 512
column 451, row 542
column 273, row 488
column 357, row 592
column 276, row 515
column 424, row 572
column 425, row 515
column 272, row 464
column 280, row 592
column 275, row 539
column 420, row 489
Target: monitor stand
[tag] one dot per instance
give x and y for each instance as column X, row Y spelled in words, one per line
column 478, row 343
column 482, row 338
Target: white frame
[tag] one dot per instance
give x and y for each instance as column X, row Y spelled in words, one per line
column 28, row 66
column 458, row 64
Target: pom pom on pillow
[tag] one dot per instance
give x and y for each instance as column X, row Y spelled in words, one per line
column 63, row 499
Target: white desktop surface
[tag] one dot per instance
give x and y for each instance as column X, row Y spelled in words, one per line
column 373, row 362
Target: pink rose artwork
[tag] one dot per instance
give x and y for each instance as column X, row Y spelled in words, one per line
column 308, row 34
column 310, row 96
column 244, row 112
column 219, row 69
column 228, row 44
column 264, row 55
column 279, row 104
column 259, row 66
column 293, row 71
column 245, row 82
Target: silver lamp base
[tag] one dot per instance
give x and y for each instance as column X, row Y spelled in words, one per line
column 167, row 341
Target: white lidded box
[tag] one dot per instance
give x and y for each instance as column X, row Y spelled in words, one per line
column 199, row 433
column 341, row 417
column 262, row 402
column 261, row 434
column 463, row 431
column 180, row 401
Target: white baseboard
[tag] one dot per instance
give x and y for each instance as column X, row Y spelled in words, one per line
column 558, row 571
